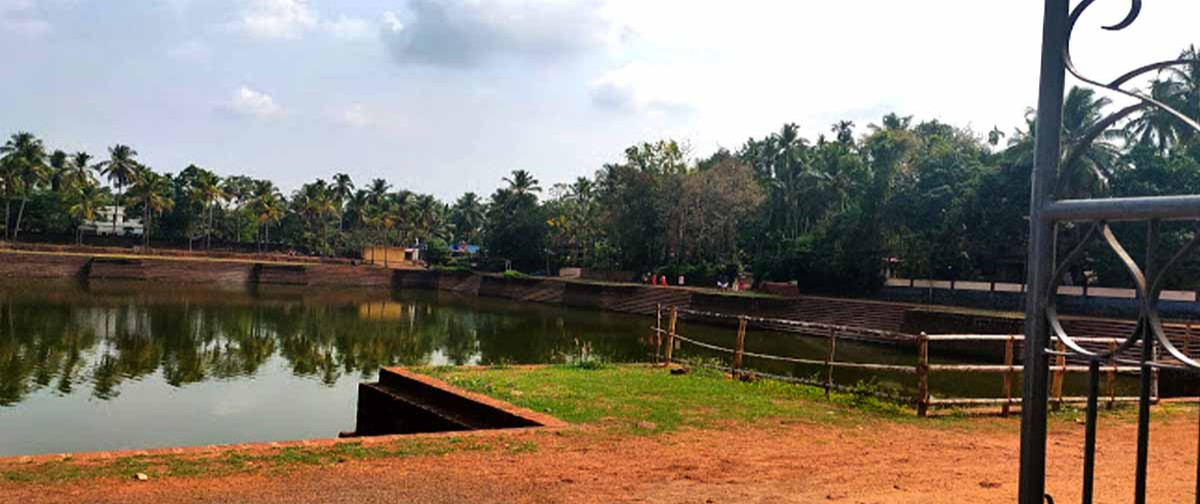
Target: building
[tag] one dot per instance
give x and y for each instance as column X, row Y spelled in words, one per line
column 103, row 224
column 391, row 256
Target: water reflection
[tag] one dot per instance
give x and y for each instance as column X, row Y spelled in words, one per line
column 66, row 338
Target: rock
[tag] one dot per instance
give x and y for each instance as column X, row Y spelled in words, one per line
column 647, row 425
column 141, row 477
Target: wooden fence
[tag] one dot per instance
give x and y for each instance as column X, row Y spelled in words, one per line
column 668, row 339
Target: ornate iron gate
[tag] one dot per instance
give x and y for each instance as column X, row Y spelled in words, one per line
column 1046, row 272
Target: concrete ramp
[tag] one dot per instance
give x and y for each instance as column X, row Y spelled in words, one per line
column 402, row 402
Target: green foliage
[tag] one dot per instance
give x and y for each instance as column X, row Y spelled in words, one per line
column 513, row 274
column 273, row 461
column 931, row 199
column 437, row 252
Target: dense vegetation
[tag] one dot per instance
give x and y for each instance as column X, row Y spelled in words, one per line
column 933, row 199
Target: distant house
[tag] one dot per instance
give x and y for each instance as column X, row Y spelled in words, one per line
column 387, row 256
column 103, row 224
column 463, row 249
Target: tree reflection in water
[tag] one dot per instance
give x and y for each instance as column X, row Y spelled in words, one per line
column 62, row 337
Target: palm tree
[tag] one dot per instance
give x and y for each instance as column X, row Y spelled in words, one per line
column 120, row 168
column 1187, row 78
column 1087, row 166
column 468, row 215
column 87, row 199
column 357, row 206
column 1155, row 126
column 24, row 160
column 378, row 189
column 59, row 170
column 239, row 189
column 522, row 182
column 382, row 217
column 151, row 190
column 268, row 207
column 81, row 169
column 207, row 189
column 343, row 187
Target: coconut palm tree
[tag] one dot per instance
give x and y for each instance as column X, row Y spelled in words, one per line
column 343, row 187
column 81, row 169
column 268, row 206
column 59, row 170
column 1187, row 79
column 152, row 191
column 382, row 218
column 120, row 168
column 208, row 191
column 1087, row 166
column 378, row 189
column 24, row 161
column 87, row 198
column 468, row 216
column 239, row 190
column 522, row 182
column 357, row 206
column 1155, row 126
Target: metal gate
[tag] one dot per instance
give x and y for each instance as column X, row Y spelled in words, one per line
column 1046, row 271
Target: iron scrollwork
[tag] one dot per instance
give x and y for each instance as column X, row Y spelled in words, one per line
column 1149, row 279
column 1148, row 289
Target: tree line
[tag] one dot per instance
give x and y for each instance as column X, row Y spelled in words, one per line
column 923, row 199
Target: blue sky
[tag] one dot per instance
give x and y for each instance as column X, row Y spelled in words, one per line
column 448, row 96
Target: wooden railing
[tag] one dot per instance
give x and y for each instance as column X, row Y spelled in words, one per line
column 668, row 339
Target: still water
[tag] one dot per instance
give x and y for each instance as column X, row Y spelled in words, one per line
column 109, row 366
column 138, row 365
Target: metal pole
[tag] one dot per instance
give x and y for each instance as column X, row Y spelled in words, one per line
column 1040, row 265
column 1089, row 443
column 1147, row 378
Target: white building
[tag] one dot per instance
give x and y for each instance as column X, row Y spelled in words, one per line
column 103, row 225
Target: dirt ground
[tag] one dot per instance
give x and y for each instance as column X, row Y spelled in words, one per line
column 972, row 460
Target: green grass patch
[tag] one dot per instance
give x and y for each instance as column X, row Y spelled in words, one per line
column 641, row 399
column 274, row 461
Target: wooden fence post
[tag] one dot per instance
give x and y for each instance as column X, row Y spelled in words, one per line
column 923, row 375
column 671, row 335
column 1110, row 380
column 1008, row 375
column 830, row 348
column 658, row 334
column 739, row 348
column 1056, row 387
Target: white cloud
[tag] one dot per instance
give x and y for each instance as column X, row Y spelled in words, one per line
column 349, row 28
column 249, row 102
column 356, row 116
column 647, row 87
column 21, row 17
column 468, row 33
column 277, row 18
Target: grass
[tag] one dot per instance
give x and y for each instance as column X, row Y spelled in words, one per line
column 643, row 399
column 617, row 400
column 274, row 461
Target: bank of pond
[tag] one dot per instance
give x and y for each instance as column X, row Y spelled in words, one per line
column 104, row 365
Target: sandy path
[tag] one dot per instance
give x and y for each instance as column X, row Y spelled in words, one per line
column 975, row 461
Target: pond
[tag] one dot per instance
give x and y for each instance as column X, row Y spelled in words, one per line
column 109, row 365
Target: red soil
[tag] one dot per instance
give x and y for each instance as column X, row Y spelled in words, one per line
column 878, row 462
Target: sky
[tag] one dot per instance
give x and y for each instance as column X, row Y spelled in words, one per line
column 448, row 96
